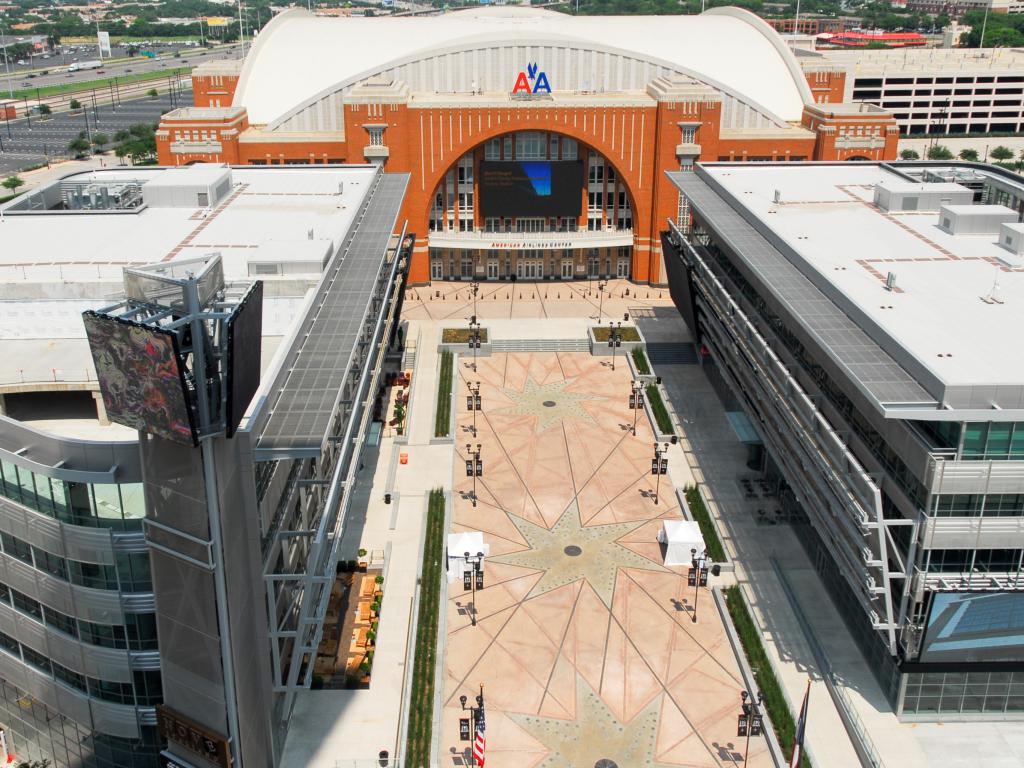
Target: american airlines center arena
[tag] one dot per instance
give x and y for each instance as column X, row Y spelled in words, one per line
column 537, row 142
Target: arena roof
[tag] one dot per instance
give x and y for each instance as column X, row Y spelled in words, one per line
column 299, row 56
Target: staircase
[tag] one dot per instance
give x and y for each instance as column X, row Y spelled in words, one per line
column 539, row 345
column 671, row 354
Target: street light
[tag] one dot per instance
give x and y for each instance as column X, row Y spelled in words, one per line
column 697, row 577
column 636, row 400
column 614, row 338
column 749, row 722
column 474, row 338
column 473, row 401
column 659, row 467
column 7, row 66
column 473, row 579
column 468, row 726
column 601, row 285
column 474, row 287
column 474, row 466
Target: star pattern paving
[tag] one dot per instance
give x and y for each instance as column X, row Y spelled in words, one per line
column 570, row 551
column 595, row 735
column 551, row 403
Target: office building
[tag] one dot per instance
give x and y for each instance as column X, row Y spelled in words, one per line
column 866, row 318
column 176, row 463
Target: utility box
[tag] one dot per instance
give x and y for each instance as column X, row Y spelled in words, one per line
column 895, row 196
column 975, row 219
column 194, row 186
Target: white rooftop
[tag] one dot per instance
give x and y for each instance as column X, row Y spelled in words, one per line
column 919, row 61
column 56, row 264
column 299, row 56
column 940, row 314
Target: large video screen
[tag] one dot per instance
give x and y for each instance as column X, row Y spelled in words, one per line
column 974, row 626
column 140, row 376
column 244, row 337
column 531, row 188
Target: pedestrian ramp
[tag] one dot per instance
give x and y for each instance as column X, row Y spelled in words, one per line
column 499, row 346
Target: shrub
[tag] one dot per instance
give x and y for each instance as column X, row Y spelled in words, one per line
column 378, row 580
column 909, row 154
column 75, row 104
column 442, row 421
column 640, row 361
column 362, row 552
column 707, row 527
column 659, row 410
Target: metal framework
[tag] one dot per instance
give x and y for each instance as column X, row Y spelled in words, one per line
column 301, row 550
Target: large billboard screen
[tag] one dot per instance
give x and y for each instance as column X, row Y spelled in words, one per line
column 244, row 337
column 531, row 188
column 141, row 377
column 974, row 627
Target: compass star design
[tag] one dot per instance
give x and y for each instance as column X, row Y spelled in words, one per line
column 595, row 737
column 550, row 403
column 570, row 551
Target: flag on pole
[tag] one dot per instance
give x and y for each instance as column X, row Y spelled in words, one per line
column 801, row 727
column 480, row 740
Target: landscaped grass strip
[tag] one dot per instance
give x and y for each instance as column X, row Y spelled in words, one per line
column 707, row 528
column 421, row 703
column 659, row 410
column 443, row 419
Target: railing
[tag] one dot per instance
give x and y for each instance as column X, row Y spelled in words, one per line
column 855, row 728
column 503, row 240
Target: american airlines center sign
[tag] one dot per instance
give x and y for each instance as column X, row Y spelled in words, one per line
column 531, row 82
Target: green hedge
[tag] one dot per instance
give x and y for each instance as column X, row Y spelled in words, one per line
column 421, row 700
column 640, row 361
column 626, row 333
column 444, row 397
column 707, row 528
column 659, row 410
column 774, row 699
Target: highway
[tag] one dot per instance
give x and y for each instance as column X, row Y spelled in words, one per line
column 57, row 74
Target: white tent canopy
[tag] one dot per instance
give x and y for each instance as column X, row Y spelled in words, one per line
column 458, row 545
column 679, row 538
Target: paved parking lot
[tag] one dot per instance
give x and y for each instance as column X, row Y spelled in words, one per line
column 22, row 146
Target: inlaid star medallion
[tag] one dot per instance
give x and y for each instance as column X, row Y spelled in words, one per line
column 550, row 403
column 570, row 551
column 596, row 737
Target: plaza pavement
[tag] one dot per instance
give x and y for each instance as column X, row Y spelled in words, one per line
column 584, row 641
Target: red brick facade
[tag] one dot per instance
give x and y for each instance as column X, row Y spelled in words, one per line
column 673, row 125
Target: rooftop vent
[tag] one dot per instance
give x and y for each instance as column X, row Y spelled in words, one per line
column 975, row 219
column 894, row 195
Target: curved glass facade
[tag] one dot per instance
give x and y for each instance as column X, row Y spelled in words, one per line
column 118, row 506
column 131, row 574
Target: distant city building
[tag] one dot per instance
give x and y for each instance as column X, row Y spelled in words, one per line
column 601, row 106
column 866, row 319
column 957, row 8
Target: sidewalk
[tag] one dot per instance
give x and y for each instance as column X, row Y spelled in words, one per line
column 344, row 726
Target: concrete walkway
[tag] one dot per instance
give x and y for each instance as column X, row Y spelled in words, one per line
column 351, row 727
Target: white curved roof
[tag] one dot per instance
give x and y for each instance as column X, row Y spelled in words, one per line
column 299, row 56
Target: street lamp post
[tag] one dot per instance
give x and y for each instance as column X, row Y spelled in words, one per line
column 474, row 288
column 698, row 577
column 636, row 400
column 7, row 65
column 750, row 721
column 614, row 338
column 601, row 285
column 468, row 726
column 474, row 466
column 659, row 467
column 474, row 338
column 473, row 401
column 473, row 579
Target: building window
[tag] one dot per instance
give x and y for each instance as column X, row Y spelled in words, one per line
column 507, row 149
column 530, row 145
column 15, row 547
column 689, row 134
column 492, row 149
column 376, row 135
column 36, row 659
column 27, row 605
column 119, row 693
column 68, row 677
column 569, row 149
column 66, row 624
column 103, row 635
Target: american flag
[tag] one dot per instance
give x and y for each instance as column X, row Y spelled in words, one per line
column 480, row 741
column 801, row 726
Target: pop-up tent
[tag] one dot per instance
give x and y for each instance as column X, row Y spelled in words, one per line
column 458, row 545
column 678, row 538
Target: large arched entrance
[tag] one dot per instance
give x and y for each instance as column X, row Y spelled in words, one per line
column 531, row 205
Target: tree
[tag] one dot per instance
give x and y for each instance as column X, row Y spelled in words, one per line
column 79, row 147
column 909, row 154
column 75, row 104
column 970, row 155
column 34, row 764
column 100, row 140
column 44, row 109
column 12, row 183
column 1001, row 153
column 151, row 93
column 939, row 152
